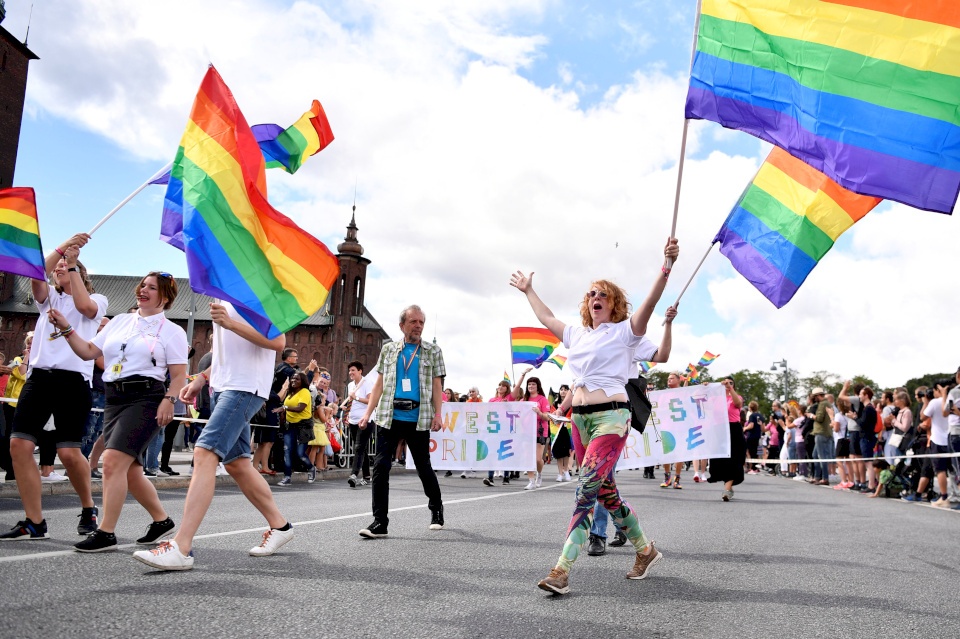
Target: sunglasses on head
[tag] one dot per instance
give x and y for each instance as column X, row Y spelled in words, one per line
column 166, row 275
column 596, row 293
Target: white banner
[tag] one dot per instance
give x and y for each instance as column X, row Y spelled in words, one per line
column 485, row 436
column 691, row 423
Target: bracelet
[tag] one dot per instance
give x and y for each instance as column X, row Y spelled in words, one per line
column 67, row 332
column 57, row 249
column 73, row 269
column 665, row 271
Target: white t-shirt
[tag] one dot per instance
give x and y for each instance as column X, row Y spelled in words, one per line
column 140, row 335
column 839, row 418
column 56, row 354
column 240, row 365
column 939, row 426
column 952, row 419
column 361, row 391
column 646, row 349
column 602, row 357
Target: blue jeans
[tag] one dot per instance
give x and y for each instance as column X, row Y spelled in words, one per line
column 821, row 450
column 600, row 518
column 227, row 434
column 289, row 445
column 94, row 423
column 151, row 459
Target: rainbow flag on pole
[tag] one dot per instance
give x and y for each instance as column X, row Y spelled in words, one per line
column 785, row 222
column 866, row 91
column 20, row 250
column 707, row 358
column 557, row 359
column 646, row 366
column 532, row 345
column 239, row 248
column 692, row 373
column 506, row 378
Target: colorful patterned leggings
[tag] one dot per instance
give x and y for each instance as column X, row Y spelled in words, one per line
column 606, row 434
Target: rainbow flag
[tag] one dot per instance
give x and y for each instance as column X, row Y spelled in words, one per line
column 692, row 373
column 506, row 378
column 20, row 250
column 785, row 222
column 707, row 358
column 239, row 248
column 646, row 366
column 308, row 136
column 866, row 91
column 558, row 359
column 532, row 345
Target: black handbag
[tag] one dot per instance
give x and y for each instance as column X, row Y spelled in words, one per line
column 640, row 407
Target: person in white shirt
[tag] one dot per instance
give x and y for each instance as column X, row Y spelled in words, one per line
column 600, row 359
column 938, row 431
column 139, row 350
column 58, row 384
column 240, row 375
column 358, row 392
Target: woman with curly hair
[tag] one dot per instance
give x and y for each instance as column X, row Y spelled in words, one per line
column 600, row 359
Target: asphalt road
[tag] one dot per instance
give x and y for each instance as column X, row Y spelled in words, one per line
column 783, row 558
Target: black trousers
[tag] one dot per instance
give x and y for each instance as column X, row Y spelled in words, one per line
column 169, row 434
column 361, row 442
column 419, row 443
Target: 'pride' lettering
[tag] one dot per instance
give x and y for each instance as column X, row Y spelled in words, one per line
column 505, row 449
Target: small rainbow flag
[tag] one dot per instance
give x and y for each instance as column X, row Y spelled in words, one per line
column 646, row 366
column 692, row 372
column 506, row 377
column 288, row 149
column 20, row 250
column 785, row 222
column 558, row 359
column 239, row 248
column 532, row 345
column 707, row 359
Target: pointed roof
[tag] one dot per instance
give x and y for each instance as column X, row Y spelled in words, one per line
column 350, row 245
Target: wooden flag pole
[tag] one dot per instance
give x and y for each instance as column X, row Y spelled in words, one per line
column 130, row 197
column 683, row 138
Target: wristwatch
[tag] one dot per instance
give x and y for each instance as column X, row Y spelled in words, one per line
column 173, row 400
column 73, row 269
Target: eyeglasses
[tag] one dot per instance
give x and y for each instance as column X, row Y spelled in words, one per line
column 596, row 293
column 166, row 275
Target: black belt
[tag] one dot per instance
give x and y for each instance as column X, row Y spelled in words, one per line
column 134, row 383
column 405, row 404
column 596, row 408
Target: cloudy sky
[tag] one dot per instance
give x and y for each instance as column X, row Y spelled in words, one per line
column 482, row 137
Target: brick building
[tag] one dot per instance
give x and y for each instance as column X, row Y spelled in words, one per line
column 14, row 60
column 342, row 331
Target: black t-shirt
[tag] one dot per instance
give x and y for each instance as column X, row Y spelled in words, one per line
column 758, row 421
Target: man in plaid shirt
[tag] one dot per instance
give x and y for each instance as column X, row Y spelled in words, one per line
column 407, row 398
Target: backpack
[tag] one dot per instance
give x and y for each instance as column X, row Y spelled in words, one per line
column 640, row 406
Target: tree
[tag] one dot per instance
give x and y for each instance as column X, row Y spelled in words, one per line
column 929, row 380
column 756, row 386
column 830, row 382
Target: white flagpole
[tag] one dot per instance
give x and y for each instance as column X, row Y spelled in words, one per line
column 131, row 196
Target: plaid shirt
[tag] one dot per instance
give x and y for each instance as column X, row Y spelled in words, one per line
column 431, row 367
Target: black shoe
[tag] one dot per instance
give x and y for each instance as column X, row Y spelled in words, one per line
column 449, row 473
column 506, row 480
column 149, row 473
column 26, row 530
column 170, row 471
column 597, row 546
column 374, row 530
column 436, row 520
column 88, row 521
column 96, row 474
column 487, row 481
column 619, row 540
column 156, row 531
column 97, row 541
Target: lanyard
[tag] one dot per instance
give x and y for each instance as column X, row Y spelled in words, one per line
column 406, row 364
column 136, row 329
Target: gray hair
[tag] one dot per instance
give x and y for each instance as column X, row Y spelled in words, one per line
column 412, row 307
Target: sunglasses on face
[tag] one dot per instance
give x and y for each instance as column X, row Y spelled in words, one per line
column 595, row 293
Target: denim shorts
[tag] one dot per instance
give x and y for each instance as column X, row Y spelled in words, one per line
column 854, row 437
column 228, row 432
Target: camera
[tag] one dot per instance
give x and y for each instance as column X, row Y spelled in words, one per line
column 929, row 393
column 896, row 411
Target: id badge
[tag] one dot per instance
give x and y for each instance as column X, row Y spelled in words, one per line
column 405, row 385
column 116, row 368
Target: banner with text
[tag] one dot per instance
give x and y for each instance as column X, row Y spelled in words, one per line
column 485, row 436
column 691, row 423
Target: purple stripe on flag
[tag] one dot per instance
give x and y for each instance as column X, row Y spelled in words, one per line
column 20, row 267
column 858, row 169
column 766, row 277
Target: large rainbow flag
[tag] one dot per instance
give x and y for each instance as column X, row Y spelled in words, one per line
column 239, row 248
column 532, row 345
column 785, row 221
column 866, row 91
column 20, row 250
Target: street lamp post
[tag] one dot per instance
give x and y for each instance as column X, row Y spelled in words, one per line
column 782, row 363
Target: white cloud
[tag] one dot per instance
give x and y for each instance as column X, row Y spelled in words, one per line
column 467, row 171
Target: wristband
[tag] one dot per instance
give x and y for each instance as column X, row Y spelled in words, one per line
column 57, row 249
column 73, row 269
column 204, row 376
column 665, row 271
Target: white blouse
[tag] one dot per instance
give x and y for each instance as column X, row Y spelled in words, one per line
column 601, row 357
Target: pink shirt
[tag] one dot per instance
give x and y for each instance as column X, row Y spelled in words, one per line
column 543, row 424
column 733, row 413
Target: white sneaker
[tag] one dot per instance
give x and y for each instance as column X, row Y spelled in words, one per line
column 221, row 470
column 567, row 477
column 166, row 556
column 539, row 480
column 799, row 478
column 531, row 485
column 561, row 477
column 273, row 539
column 53, row 477
column 463, row 475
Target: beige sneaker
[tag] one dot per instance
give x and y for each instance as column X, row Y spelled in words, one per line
column 941, row 503
column 556, row 582
column 643, row 563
